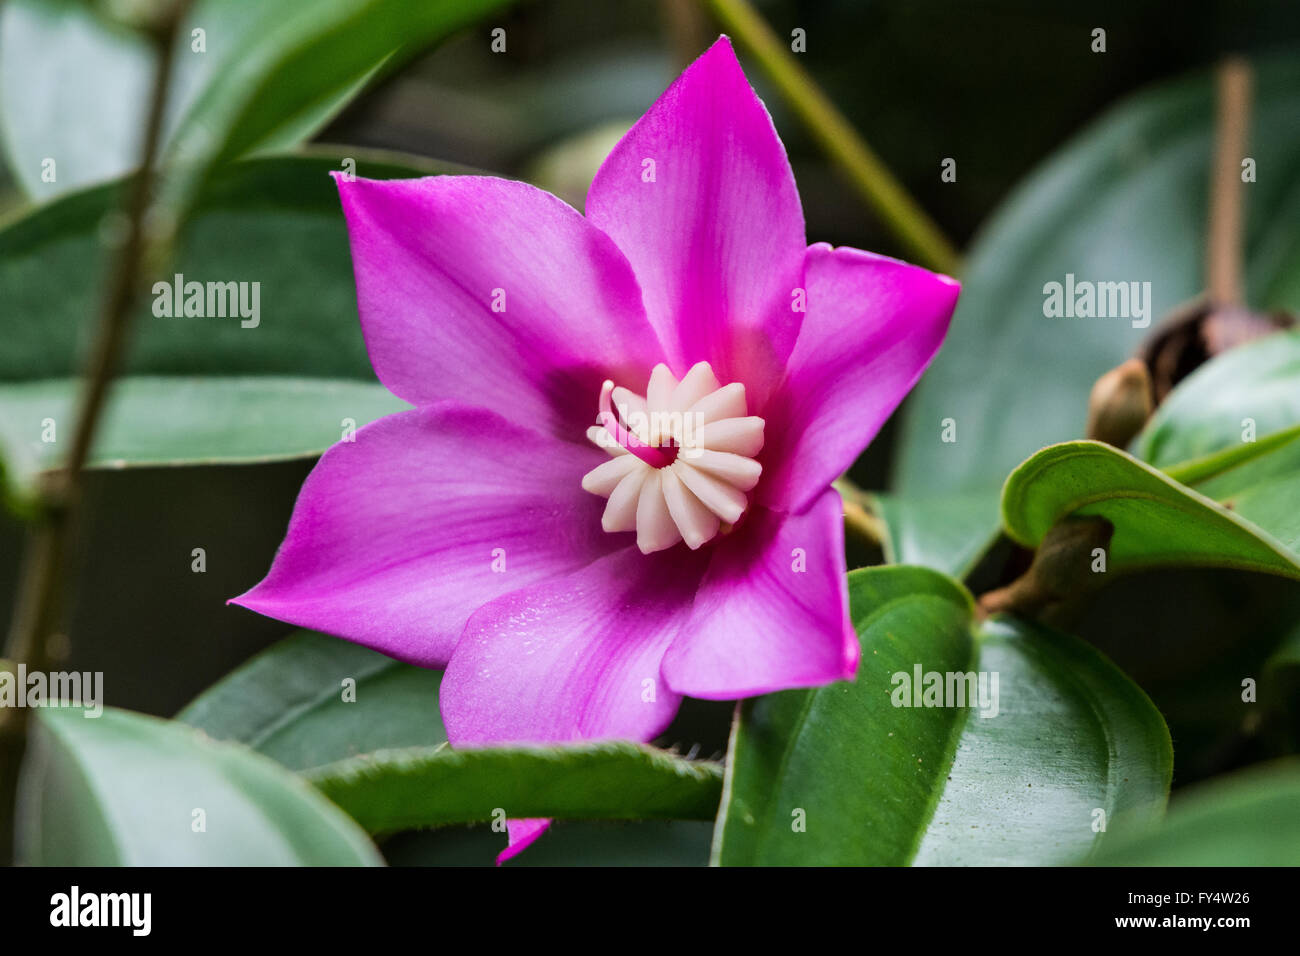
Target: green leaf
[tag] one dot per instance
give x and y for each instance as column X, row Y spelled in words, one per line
column 174, row 420
column 302, row 62
column 1124, row 201
column 187, row 394
column 1250, row 818
column 74, row 86
column 124, row 789
column 1157, row 521
column 875, row 783
column 948, row 533
column 433, row 786
column 93, row 77
column 288, row 703
column 1206, row 414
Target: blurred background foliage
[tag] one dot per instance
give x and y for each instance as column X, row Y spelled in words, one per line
column 1000, row 85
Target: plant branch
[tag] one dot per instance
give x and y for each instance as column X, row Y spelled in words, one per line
column 860, row 521
column 1223, row 265
column 868, row 174
column 42, row 605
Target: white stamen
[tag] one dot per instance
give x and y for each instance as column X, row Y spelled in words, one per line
column 704, row 487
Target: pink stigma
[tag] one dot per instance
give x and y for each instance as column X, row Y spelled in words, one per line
column 653, row 455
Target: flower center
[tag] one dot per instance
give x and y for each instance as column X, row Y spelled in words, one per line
column 682, row 458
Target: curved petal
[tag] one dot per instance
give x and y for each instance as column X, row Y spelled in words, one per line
column 493, row 293
column 521, row 835
column 398, row 536
column 773, row 610
column 700, row 197
column 576, row 658
column 872, row 327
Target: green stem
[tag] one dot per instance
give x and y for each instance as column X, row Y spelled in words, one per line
column 42, row 601
column 868, row 175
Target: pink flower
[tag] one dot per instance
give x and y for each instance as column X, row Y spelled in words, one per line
column 473, row 532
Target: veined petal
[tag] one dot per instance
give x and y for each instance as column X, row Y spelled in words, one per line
column 773, row 610
column 576, row 658
column 398, row 536
column 872, row 327
column 573, row 659
column 493, row 293
column 700, row 197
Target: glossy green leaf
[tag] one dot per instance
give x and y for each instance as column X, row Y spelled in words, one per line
column 1157, row 520
column 1241, row 396
column 292, row 703
column 124, row 789
column 273, row 221
column 1251, row 818
column 1124, row 201
column 73, row 86
column 948, row 533
column 172, row 420
column 301, row 64
column 840, row 775
column 432, row 786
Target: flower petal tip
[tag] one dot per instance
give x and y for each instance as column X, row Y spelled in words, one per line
column 523, row 834
column 242, row 600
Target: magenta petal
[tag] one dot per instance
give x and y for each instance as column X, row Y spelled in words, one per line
column 773, row 610
column 521, row 835
column 575, row 658
column 398, row 536
column 717, row 238
column 872, row 327
column 494, row 293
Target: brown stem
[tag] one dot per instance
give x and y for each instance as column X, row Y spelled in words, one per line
column 1065, row 564
column 687, row 29
column 866, row 172
column 1223, row 266
column 41, row 609
column 860, row 520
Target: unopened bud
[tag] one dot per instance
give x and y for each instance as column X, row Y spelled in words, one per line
column 1120, row 404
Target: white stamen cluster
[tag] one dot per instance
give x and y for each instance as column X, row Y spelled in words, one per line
column 703, row 491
